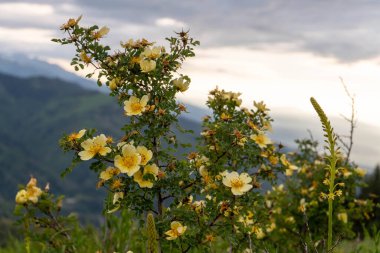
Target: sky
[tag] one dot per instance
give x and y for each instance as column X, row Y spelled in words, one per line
column 281, row 52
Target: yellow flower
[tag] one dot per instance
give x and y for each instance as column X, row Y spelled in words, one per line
column 258, row 232
column 261, row 140
column 152, row 53
column 343, row 217
column 181, row 84
column 361, row 172
column 135, row 106
column 130, row 160
column 225, row 116
column 145, row 154
column 247, row 220
column 102, row 31
column 290, row 220
column 239, row 183
column 21, row 197
column 147, row 65
column 129, row 44
column 71, row 23
column 271, row 227
column 260, row 106
column 94, row 146
column 109, row 173
column 32, row 182
column 176, row 230
column 284, row 161
column 289, row 171
column 114, row 83
column 198, row 206
column 32, row 192
column 139, row 176
column 116, row 184
column 302, row 206
column 345, row 172
column 338, row 193
column 75, row 136
column 85, row 58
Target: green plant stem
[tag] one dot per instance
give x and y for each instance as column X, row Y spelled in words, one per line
column 332, row 158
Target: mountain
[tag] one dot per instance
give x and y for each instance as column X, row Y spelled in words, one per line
column 34, row 114
column 20, row 65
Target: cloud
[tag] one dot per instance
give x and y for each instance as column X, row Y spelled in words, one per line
column 346, row 30
column 169, row 22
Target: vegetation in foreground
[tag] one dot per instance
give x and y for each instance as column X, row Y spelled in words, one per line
column 203, row 201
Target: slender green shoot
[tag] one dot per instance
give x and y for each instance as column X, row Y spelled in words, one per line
column 333, row 150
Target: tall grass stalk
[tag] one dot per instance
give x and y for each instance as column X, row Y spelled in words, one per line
column 330, row 140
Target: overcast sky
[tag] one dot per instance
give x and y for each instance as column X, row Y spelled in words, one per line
column 280, row 51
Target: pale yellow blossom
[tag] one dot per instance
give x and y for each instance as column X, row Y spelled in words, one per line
column 138, row 177
column 289, row 171
column 147, row 65
column 343, row 217
column 261, row 140
column 94, row 146
column 129, row 161
column 176, row 230
column 258, row 232
column 85, row 58
column 290, row 220
column 109, row 173
column 114, row 83
column 345, row 172
column 152, row 53
column 135, row 106
column 75, row 136
column 102, row 31
column 71, row 23
column 181, row 84
column 145, row 154
column 239, row 184
column 21, row 197
column 360, row 171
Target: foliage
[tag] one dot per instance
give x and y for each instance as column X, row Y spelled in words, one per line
column 194, row 201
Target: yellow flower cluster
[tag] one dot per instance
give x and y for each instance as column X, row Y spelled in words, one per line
column 132, row 159
column 226, row 96
column 30, row 193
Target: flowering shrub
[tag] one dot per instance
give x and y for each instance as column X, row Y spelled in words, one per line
column 213, row 192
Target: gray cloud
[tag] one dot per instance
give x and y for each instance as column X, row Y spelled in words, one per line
column 346, row 30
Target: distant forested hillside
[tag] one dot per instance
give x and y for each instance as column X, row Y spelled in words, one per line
column 34, row 114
